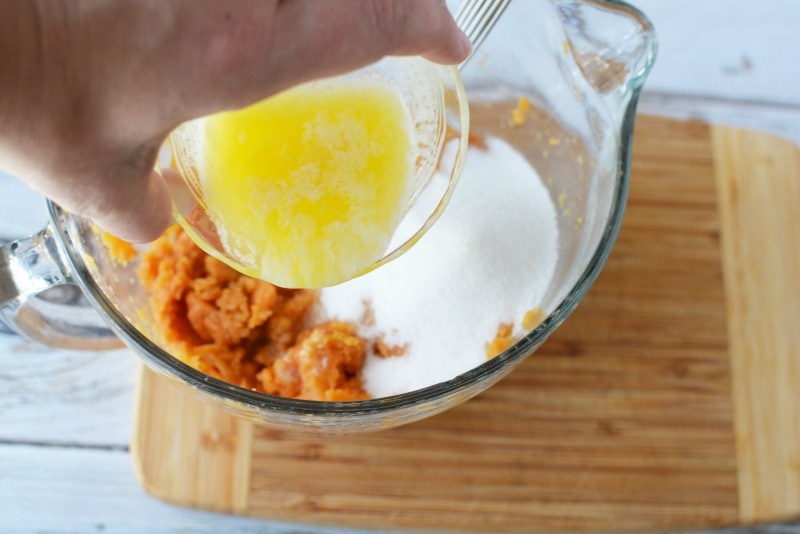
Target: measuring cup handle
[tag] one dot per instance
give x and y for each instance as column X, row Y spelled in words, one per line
column 39, row 301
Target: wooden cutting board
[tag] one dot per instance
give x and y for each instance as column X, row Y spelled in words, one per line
column 670, row 398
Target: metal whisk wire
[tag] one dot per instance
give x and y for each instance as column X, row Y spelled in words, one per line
column 476, row 18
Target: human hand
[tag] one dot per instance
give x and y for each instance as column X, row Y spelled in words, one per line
column 90, row 89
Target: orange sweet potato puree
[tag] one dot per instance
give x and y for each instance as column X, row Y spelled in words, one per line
column 257, row 335
column 246, row 331
column 120, row 251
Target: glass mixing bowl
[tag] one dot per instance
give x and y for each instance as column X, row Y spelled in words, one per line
column 578, row 64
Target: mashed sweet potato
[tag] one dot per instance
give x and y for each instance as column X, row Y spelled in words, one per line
column 246, row 331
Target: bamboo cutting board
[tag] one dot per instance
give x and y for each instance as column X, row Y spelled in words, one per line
column 670, row 398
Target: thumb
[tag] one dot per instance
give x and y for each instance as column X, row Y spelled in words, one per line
column 137, row 210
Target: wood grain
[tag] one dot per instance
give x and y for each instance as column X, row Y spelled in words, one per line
column 204, row 457
column 758, row 180
column 624, row 419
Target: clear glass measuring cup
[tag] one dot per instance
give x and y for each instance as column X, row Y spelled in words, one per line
column 436, row 112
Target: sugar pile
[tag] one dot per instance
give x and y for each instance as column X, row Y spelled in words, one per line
column 488, row 260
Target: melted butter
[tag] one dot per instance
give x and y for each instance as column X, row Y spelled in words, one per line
column 310, row 185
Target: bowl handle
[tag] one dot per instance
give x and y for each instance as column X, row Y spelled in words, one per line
column 39, row 300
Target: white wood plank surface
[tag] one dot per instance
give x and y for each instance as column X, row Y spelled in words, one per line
column 65, row 416
column 729, row 49
column 728, row 61
column 68, row 489
column 63, row 397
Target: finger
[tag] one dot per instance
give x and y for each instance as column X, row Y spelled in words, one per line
column 143, row 216
column 136, row 209
column 315, row 39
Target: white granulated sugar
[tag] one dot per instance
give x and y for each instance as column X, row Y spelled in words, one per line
column 488, row 260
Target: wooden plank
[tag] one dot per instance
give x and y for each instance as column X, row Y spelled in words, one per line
column 759, row 191
column 64, row 397
column 72, row 490
column 203, row 454
column 727, row 49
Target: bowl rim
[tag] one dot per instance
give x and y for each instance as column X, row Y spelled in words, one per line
column 163, row 362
